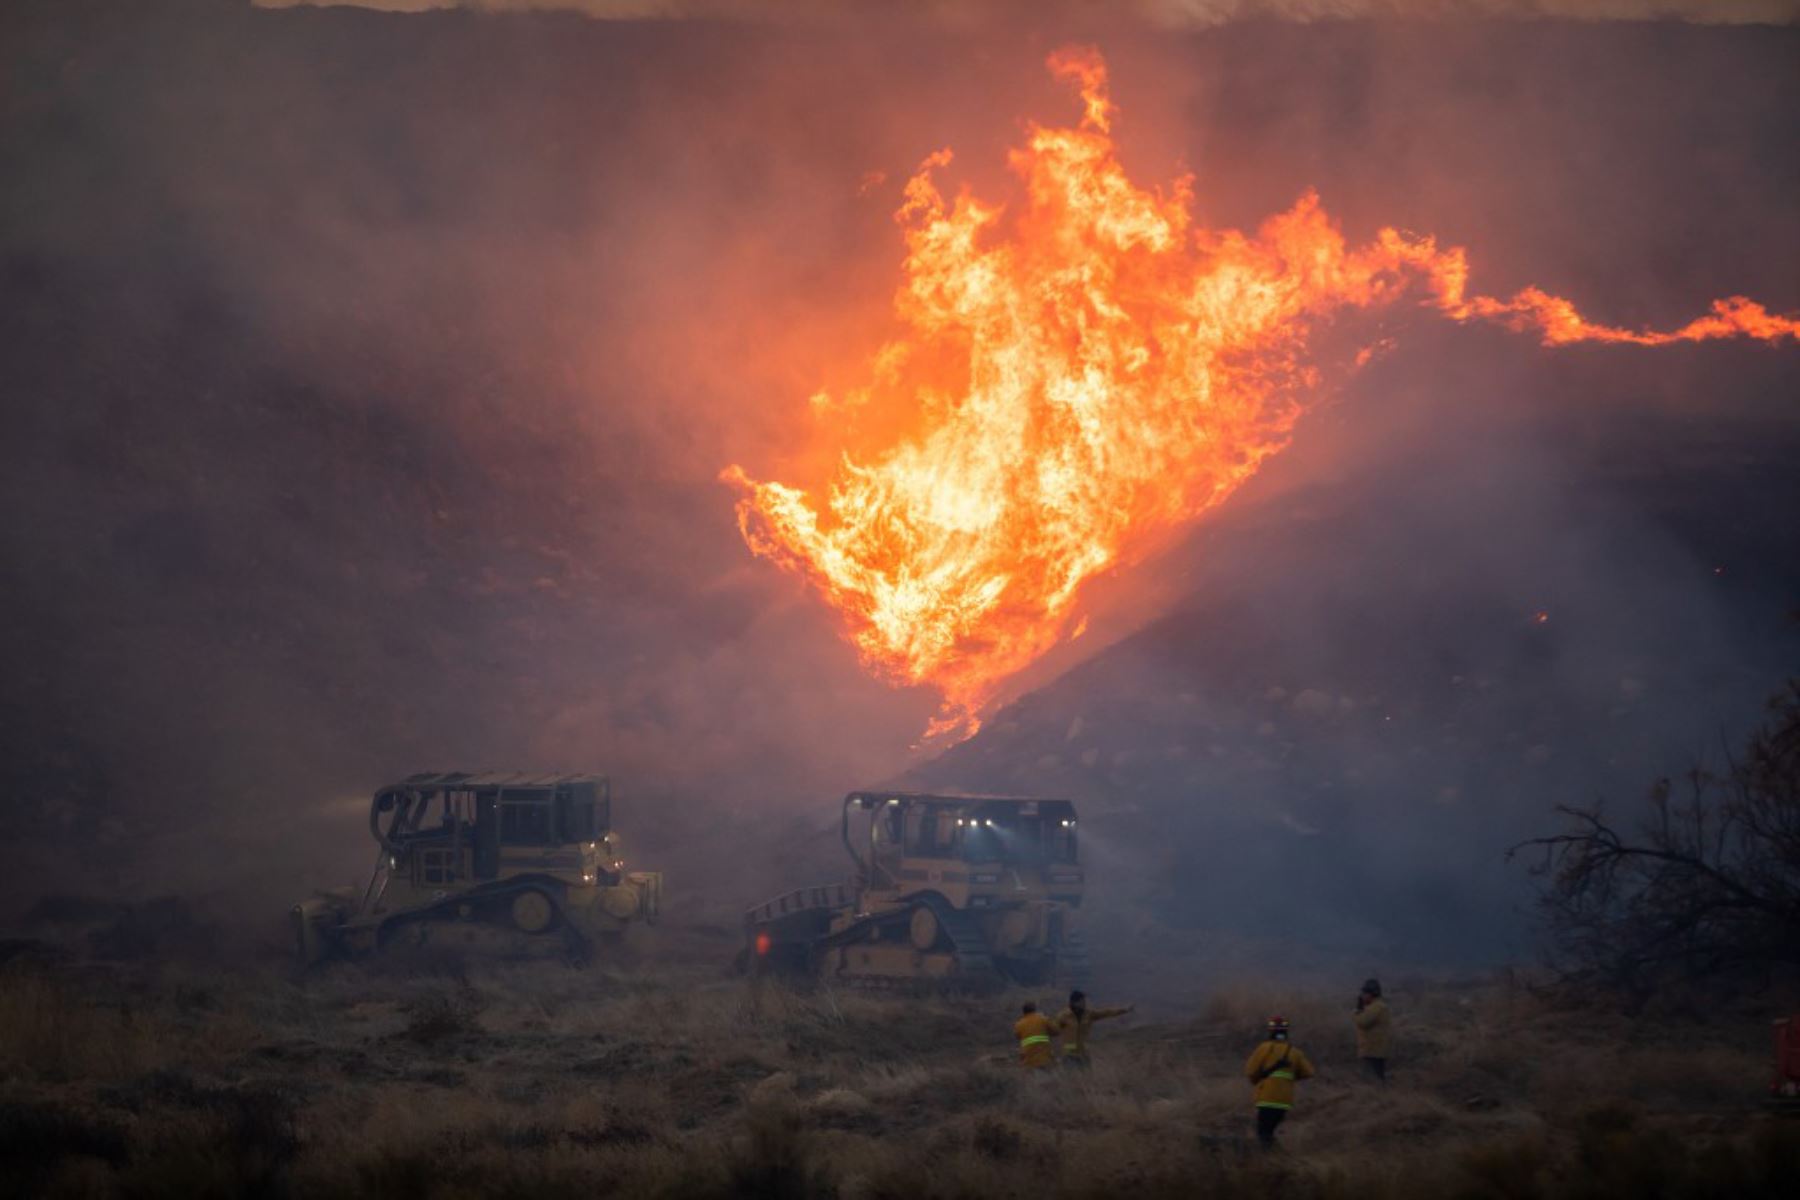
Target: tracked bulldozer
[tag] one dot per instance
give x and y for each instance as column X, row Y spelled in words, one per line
column 960, row 891
column 461, row 854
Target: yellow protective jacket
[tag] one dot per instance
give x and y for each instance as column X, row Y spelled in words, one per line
column 1373, row 1030
column 1276, row 1089
column 1074, row 1029
column 1034, row 1031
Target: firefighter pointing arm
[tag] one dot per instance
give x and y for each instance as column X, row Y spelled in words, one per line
column 1075, row 1021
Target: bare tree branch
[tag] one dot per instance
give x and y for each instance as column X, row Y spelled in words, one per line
column 1710, row 886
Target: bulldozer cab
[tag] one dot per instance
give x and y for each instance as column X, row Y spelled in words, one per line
column 1035, row 833
column 905, row 829
column 445, row 830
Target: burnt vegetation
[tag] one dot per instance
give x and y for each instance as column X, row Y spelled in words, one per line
column 183, row 1079
column 1703, row 888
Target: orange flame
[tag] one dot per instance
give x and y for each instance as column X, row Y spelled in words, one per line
column 1113, row 375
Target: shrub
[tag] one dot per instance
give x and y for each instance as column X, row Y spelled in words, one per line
column 1504, row 1169
column 52, row 1030
column 772, row 1158
column 1707, row 889
column 439, row 1017
column 996, row 1139
column 34, row 1136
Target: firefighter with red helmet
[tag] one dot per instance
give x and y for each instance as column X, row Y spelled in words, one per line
column 1273, row 1068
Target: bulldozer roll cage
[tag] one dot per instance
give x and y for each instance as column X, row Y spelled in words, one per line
column 532, row 852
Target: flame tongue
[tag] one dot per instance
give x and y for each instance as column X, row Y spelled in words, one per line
column 1115, row 376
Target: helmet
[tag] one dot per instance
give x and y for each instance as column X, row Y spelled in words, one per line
column 1371, row 987
column 1278, row 1024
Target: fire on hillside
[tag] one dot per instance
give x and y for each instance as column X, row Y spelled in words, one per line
column 1085, row 376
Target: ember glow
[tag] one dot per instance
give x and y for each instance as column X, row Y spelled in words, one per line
column 1087, row 376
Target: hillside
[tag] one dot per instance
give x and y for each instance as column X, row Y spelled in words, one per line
column 1383, row 679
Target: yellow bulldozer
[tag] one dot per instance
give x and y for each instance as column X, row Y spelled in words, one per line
column 534, row 855
column 965, row 891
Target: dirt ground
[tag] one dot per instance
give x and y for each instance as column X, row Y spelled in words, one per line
column 661, row 1074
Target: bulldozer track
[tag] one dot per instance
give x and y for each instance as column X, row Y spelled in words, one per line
column 446, row 911
column 975, row 966
column 943, row 855
column 964, row 932
column 577, row 947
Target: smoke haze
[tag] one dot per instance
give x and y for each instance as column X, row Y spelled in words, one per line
column 1169, row 14
column 369, row 381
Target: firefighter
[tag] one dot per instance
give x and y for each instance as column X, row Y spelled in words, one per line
column 1075, row 1021
column 1272, row 1068
column 1034, row 1031
column 1373, row 1024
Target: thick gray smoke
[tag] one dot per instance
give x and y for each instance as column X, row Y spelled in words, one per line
column 369, row 380
column 1167, row 14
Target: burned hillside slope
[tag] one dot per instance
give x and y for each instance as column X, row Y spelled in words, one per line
column 1382, row 681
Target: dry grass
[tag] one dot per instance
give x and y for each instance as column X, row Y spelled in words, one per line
column 534, row 1080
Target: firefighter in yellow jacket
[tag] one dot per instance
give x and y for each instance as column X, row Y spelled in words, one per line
column 1034, row 1031
column 1074, row 1023
column 1274, row 1067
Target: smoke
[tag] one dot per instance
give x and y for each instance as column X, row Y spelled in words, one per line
column 374, row 427
column 1165, row 14
column 369, row 380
